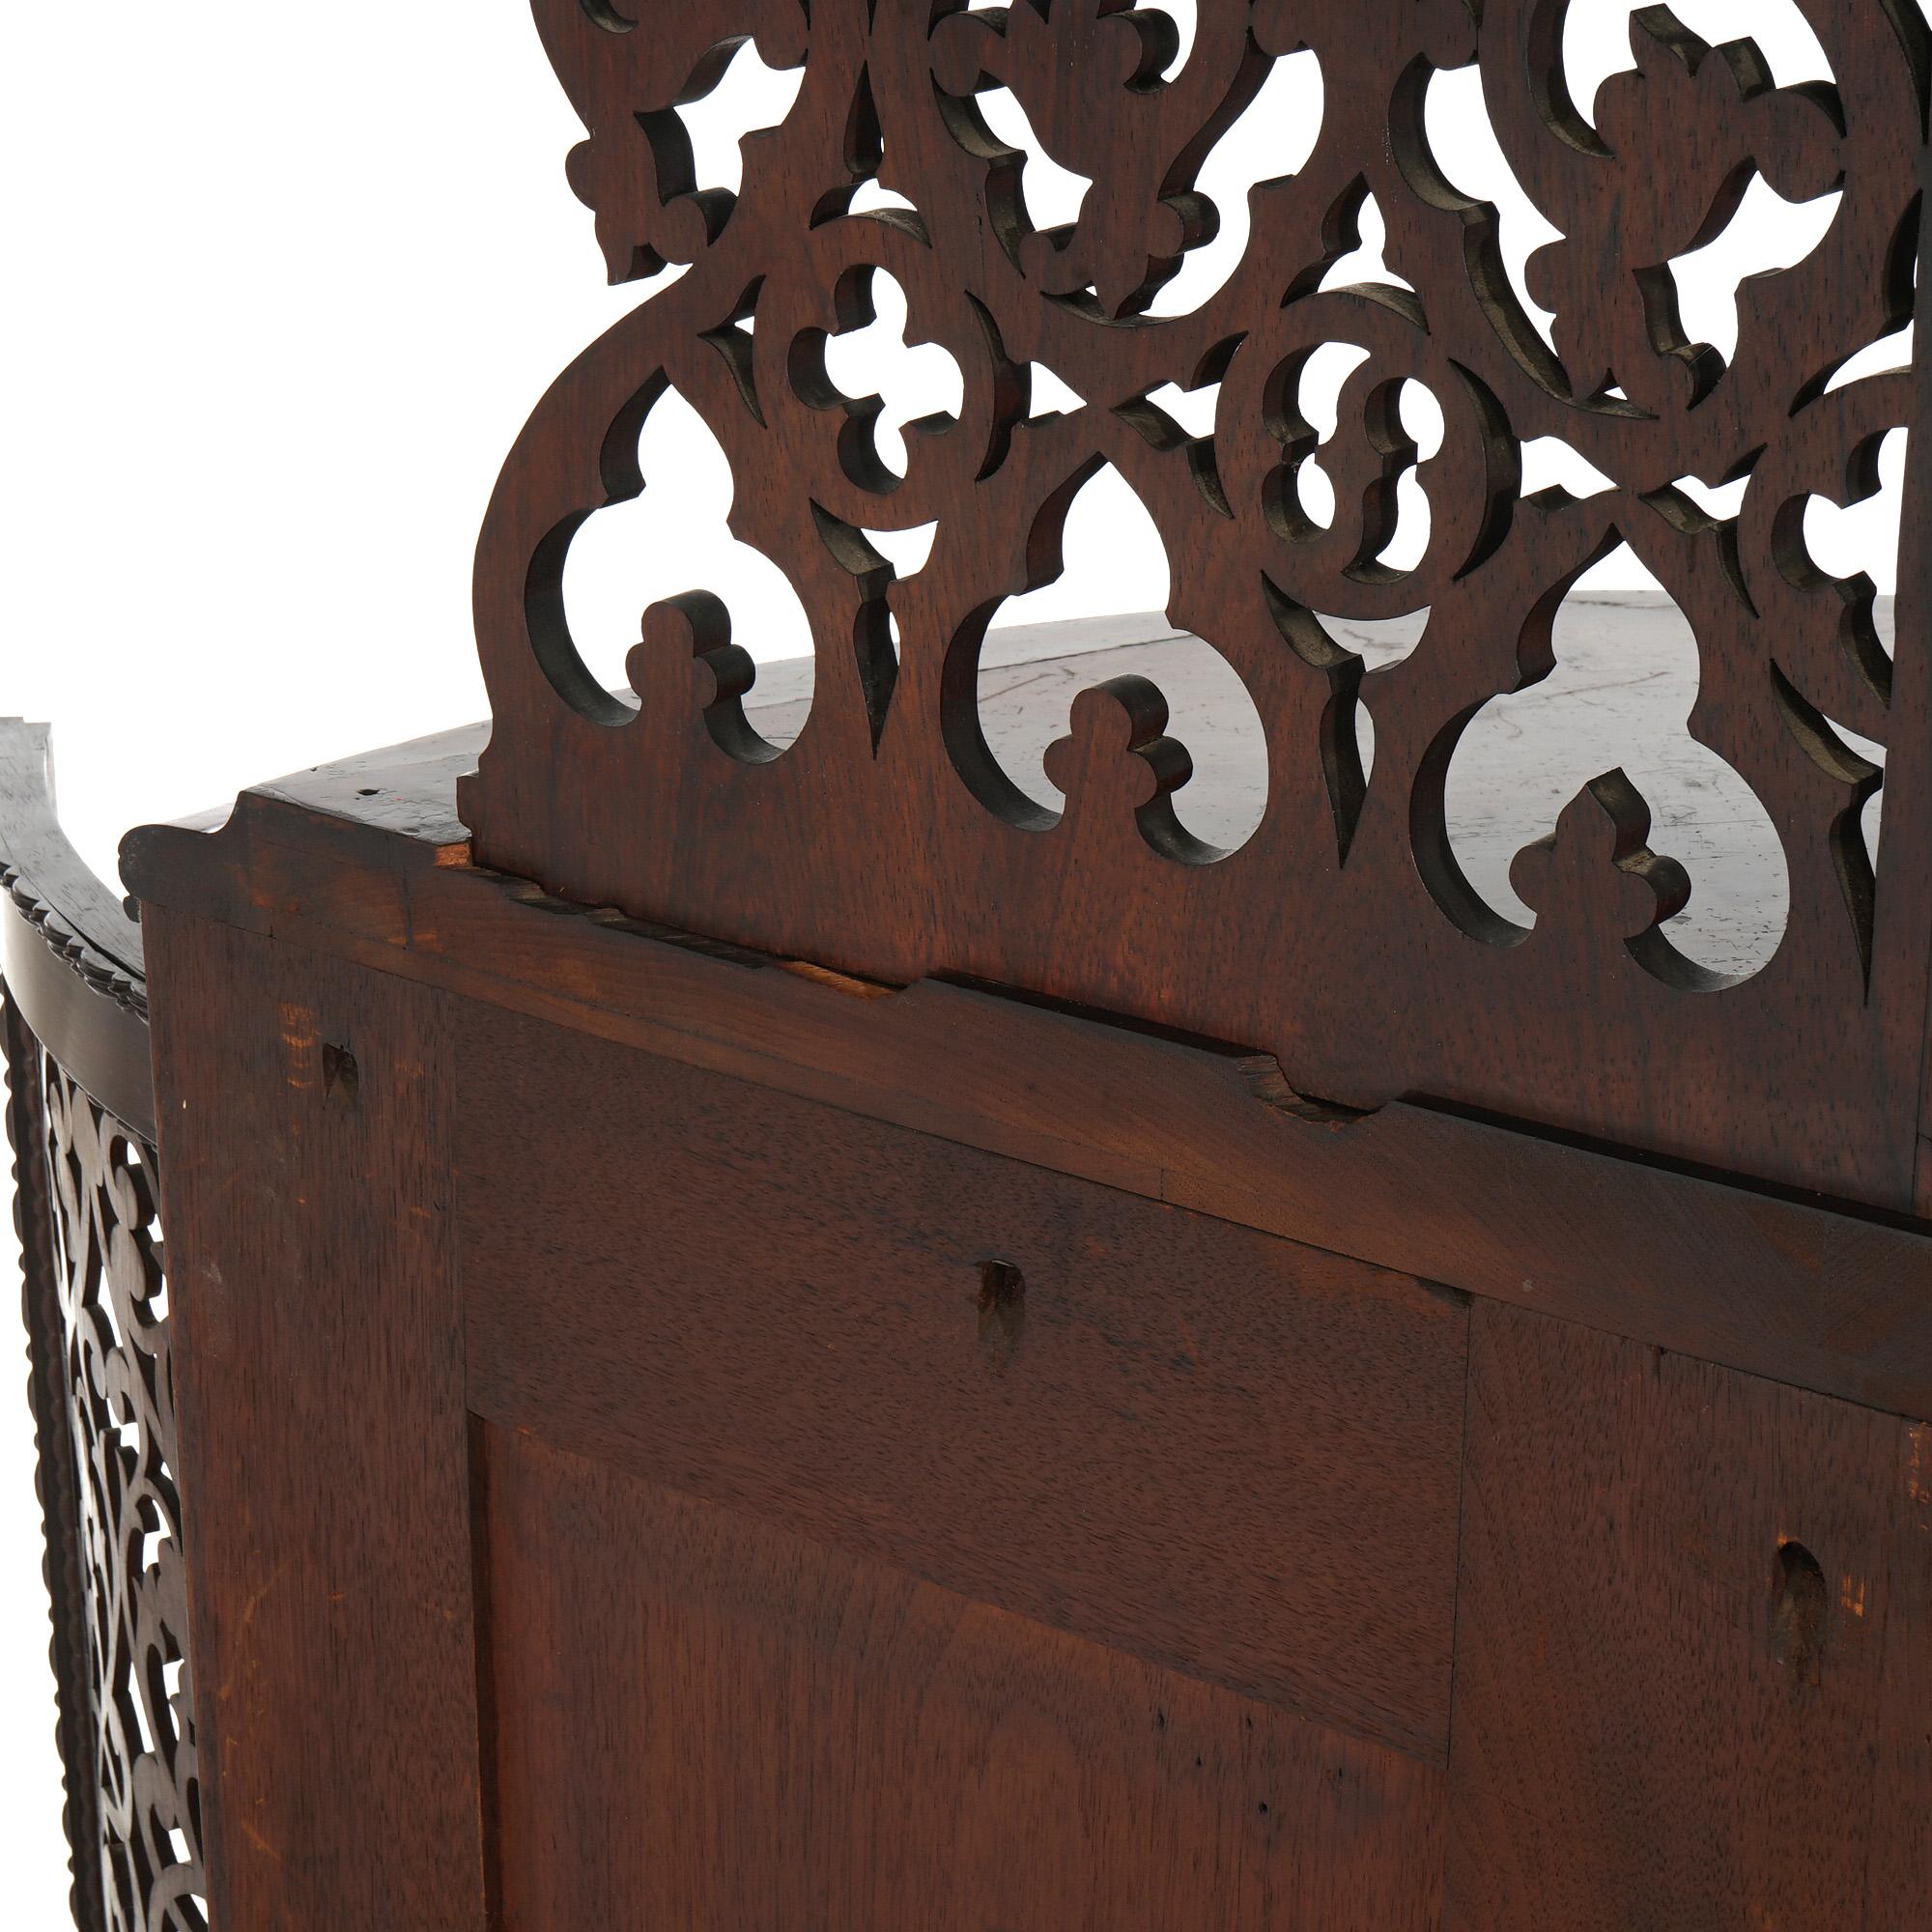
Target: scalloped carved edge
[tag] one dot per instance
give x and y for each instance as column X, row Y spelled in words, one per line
column 96, row 970
column 71, row 953
column 52, row 885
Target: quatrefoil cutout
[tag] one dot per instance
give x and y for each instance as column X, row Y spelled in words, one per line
column 918, row 390
column 862, row 329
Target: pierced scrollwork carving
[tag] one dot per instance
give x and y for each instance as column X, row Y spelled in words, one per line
column 686, row 655
column 114, row 1340
column 1142, row 148
column 886, row 816
column 1624, row 217
column 627, row 78
column 1118, row 764
column 1596, row 872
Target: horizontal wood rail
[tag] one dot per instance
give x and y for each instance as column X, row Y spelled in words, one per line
column 367, row 861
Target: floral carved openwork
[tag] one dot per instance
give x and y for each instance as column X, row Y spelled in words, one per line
column 143, row 1800
column 1342, row 936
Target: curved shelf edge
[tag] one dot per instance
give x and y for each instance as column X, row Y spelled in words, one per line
column 70, row 955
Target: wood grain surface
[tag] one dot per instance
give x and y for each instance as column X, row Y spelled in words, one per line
column 1346, row 936
column 1786, row 1285
column 893, row 1317
column 1223, row 1453
column 1629, row 677
column 705, row 1720
column 1660, row 1724
column 306, row 1129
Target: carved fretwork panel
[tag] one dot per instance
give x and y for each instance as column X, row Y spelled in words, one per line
column 1344, row 935
column 114, row 1332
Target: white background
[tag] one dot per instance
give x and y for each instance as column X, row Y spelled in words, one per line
column 282, row 285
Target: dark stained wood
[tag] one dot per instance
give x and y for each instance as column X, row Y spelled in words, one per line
column 1223, row 1453
column 56, row 1464
column 1343, row 937
column 769, row 1733
column 789, row 1339
column 69, row 953
column 111, row 1348
column 1898, row 1878
column 80, row 1119
column 42, row 864
column 1913, row 697
column 1784, row 1285
column 1689, row 1686
column 305, row 1128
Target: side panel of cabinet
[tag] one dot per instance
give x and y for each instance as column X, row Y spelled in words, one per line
column 1693, row 1647
column 305, row 1148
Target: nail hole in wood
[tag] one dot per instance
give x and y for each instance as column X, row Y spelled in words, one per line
column 1798, row 1606
column 339, row 1072
column 1002, row 1304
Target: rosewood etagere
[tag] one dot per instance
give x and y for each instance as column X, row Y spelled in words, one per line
column 777, row 1329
